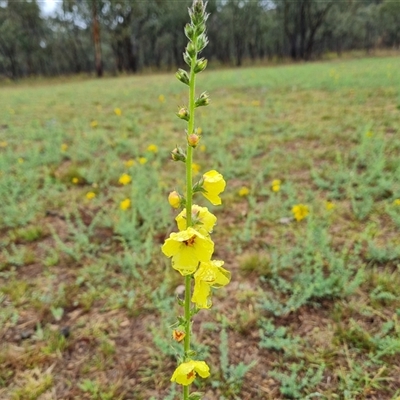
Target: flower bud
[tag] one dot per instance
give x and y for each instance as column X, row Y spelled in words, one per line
column 183, row 113
column 187, row 58
column 178, row 154
column 200, row 65
column 190, row 31
column 182, row 76
column 203, row 100
column 193, row 140
column 191, row 49
column 200, row 29
column 174, row 199
column 202, row 42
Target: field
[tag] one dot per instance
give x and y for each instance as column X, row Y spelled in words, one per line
column 87, row 299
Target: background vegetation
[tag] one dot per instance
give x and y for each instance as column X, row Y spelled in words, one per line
column 87, row 298
column 116, row 36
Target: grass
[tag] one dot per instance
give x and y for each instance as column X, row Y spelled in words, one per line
column 86, row 297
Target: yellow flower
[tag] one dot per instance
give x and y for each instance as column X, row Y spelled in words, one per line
column 199, row 131
column 124, row 179
column 125, row 204
column 300, row 211
column 174, row 199
column 129, row 163
column 161, row 98
column 3, row 144
column 276, row 185
column 64, row 147
column 255, row 103
column 369, row 134
column 153, row 148
column 21, row 160
column 94, row 124
column 202, row 220
column 203, row 148
column 187, row 248
column 118, row 111
column 244, row 191
column 209, row 274
column 75, row 180
column 186, row 372
column 195, row 168
column 396, row 202
column 213, row 184
column 329, row 205
column 90, row 195
column 142, row 160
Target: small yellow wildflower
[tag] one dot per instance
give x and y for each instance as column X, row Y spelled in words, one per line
column 174, row 199
column 202, row 220
column 21, row 160
column 209, row 274
column 161, row 98
column 187, row 248
column 64, row 147
column 142, row 160
column 369, row 134
column 276, row 185
column 255, row 103
column 129, row 163
column 203, row 148
column 125, row 204
column 213, row 184
column 94, row 124
column 90, row 195
column 396, row 202
column 300, row 211
column 199, row 131
column 153, row 148
column 196, row 168
column 75, row 180
column 244, row 191
column 118, row 111
column 185, row 374
column 124, row 179
column 3, row 144
column 329, row 205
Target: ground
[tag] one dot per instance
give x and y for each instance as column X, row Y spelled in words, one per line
column 87, row 298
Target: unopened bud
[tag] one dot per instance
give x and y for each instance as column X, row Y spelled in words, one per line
column 187, row 58
column 183, row 113
column 203, row 100
column 191, row 49
column 182, row 76
column 193, row 140
column 178, row 154
column 199, row 29
column 174, row 199
column 200, row 65
column 202, row 42
column 190, row 31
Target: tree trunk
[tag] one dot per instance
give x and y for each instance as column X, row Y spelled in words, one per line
column 96, row 40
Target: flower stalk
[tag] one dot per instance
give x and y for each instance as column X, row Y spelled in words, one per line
column 191, row 248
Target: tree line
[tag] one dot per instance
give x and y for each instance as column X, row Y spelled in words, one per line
column 116, row 36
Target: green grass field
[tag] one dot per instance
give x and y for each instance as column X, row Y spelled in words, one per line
column 86, row 297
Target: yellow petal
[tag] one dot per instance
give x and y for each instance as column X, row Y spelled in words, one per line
column 201, row 294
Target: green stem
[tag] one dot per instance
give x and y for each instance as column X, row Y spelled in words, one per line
column 189, row 196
